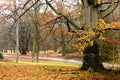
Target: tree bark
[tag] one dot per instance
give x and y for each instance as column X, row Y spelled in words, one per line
column 91, row 58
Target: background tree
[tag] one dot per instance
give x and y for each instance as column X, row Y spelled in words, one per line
column 25, row 33
column 63, row 38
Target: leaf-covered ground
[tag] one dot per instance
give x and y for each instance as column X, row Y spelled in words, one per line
column 26, row 71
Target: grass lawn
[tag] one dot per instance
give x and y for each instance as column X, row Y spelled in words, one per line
column 49, row 70
column 49, row 63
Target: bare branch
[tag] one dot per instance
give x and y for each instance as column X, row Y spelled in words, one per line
column 95, row 37
column 70, row 30
column 112, row 29
column 22, row 15
column 27, row 10
column 109, row 2
column 26, row 3
column 66, row 17
column 110, row 11
column 103, row 10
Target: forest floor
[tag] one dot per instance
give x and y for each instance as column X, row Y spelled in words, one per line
column 48, row 70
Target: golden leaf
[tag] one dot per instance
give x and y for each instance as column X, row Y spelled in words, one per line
column 91, row 43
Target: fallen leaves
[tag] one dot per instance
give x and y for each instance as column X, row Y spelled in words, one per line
column 39, row 72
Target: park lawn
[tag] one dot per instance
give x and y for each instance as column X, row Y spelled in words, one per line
column 50, row 70
column 50, row 63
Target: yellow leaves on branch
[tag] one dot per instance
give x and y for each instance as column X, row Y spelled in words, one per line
column 85, row 39
column 113, row 25
column 82, row 47
column 85, row 44
column 102, row 25
column 85, row 36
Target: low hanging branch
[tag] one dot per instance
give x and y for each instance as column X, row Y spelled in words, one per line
column 70, row 30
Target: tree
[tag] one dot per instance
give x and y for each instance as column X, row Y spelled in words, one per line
column 35, row 34
column 91, row 10
column 14, row 11
column 25, row 32
column 62, row 37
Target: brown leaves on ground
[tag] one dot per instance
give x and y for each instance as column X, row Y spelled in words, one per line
column 38, row 72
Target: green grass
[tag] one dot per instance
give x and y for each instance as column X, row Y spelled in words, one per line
column 49, row 63
column 53, row 63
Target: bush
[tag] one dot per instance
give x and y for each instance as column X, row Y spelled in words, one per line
column 107, row 52
column 1, row 56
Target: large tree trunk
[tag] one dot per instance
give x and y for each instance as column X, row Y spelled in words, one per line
column 91, row 58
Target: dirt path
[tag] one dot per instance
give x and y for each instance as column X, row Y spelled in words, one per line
column 44, row 58
column 28, row 58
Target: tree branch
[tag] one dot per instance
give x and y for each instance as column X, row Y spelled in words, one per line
column 70, row 30
column 66, row 17
column 95, row 37
column 22, row 15
column 27, row 10
column 103, row 10
column 112, row 29
column 109, row 2
column 110, row 11
column 26, row 3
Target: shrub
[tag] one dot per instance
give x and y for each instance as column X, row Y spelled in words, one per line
column 1, row 56
column 107, row 52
